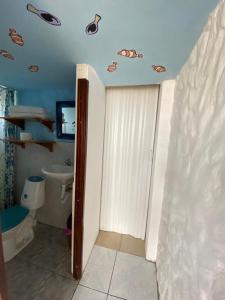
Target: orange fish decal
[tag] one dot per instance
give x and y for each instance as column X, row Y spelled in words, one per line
column 6, row 54
column 111, row 68
column 33, row 68
column 15, row 37
column 159, row 68
column 130, row 53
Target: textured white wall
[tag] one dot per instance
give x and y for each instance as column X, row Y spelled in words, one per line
column 191, row 257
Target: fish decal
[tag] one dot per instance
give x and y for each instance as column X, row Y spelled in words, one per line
column 111, row 68
column 129, row 53
column 44, row 15
column 6, row 54
column 159, row 68
column 92, row 28
column 15, row 37
column 33, row 68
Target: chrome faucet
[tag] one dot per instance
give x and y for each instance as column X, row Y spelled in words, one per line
column 68, row 162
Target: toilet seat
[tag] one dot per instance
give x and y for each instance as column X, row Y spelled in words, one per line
column 12, row 216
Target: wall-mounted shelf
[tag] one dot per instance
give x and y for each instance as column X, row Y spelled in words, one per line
column 20, row 121
column 47, row 144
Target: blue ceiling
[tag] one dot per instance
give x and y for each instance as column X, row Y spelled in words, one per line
column 163, row 31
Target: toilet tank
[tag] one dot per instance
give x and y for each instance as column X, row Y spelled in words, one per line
column 33, row 195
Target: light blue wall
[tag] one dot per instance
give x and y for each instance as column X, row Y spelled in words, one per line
column 45, row 98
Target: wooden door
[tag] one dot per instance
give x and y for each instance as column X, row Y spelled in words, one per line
column 3, row 285
column 81, row 151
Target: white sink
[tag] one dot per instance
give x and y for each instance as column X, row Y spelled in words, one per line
column 60, row 172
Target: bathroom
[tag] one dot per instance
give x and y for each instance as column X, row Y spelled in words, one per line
column 129, row 203
column 31, row 162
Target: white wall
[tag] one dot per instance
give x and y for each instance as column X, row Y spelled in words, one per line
column 191, row 256
column 95, row 137
column 29, row 161
column 160, row 157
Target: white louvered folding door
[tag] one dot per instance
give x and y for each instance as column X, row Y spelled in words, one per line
column 129, row 137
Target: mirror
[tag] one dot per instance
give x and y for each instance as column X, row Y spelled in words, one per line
column 65, row 119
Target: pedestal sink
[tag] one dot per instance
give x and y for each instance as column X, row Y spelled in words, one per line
column 60, row 172
column 64, row 174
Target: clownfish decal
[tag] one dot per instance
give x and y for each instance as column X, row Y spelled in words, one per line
column 6, row 54
column 111, row 68
column 92, row 28
column 33, row 68
column 44, row 15
column 159, row 68
column 130, row 53
column 15, row 37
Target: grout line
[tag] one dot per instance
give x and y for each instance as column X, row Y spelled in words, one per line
column 121, row 251
column 158, row 294
column 141, row 256
column 117, row 297
column 74, row 292
column 121, row 238
column 112, row 272
column 105, row 293
column 135, row 256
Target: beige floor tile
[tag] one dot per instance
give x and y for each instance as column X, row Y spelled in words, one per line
column 109, row 240
column 132, row 245
column 98, row 272
column 133, row 278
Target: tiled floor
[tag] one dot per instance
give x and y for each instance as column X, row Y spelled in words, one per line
column 121, row 242
column 42, row 272
column 42, row 269
column 111, row 275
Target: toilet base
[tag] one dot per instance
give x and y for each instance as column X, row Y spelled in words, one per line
column 17, row 238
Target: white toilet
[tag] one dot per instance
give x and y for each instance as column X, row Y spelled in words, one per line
column 17, row 222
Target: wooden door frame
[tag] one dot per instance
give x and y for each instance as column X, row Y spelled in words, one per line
column 81, row 154
column 3, row 283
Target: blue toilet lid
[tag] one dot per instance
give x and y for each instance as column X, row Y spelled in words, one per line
column 12, row 216
column 35, row 178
